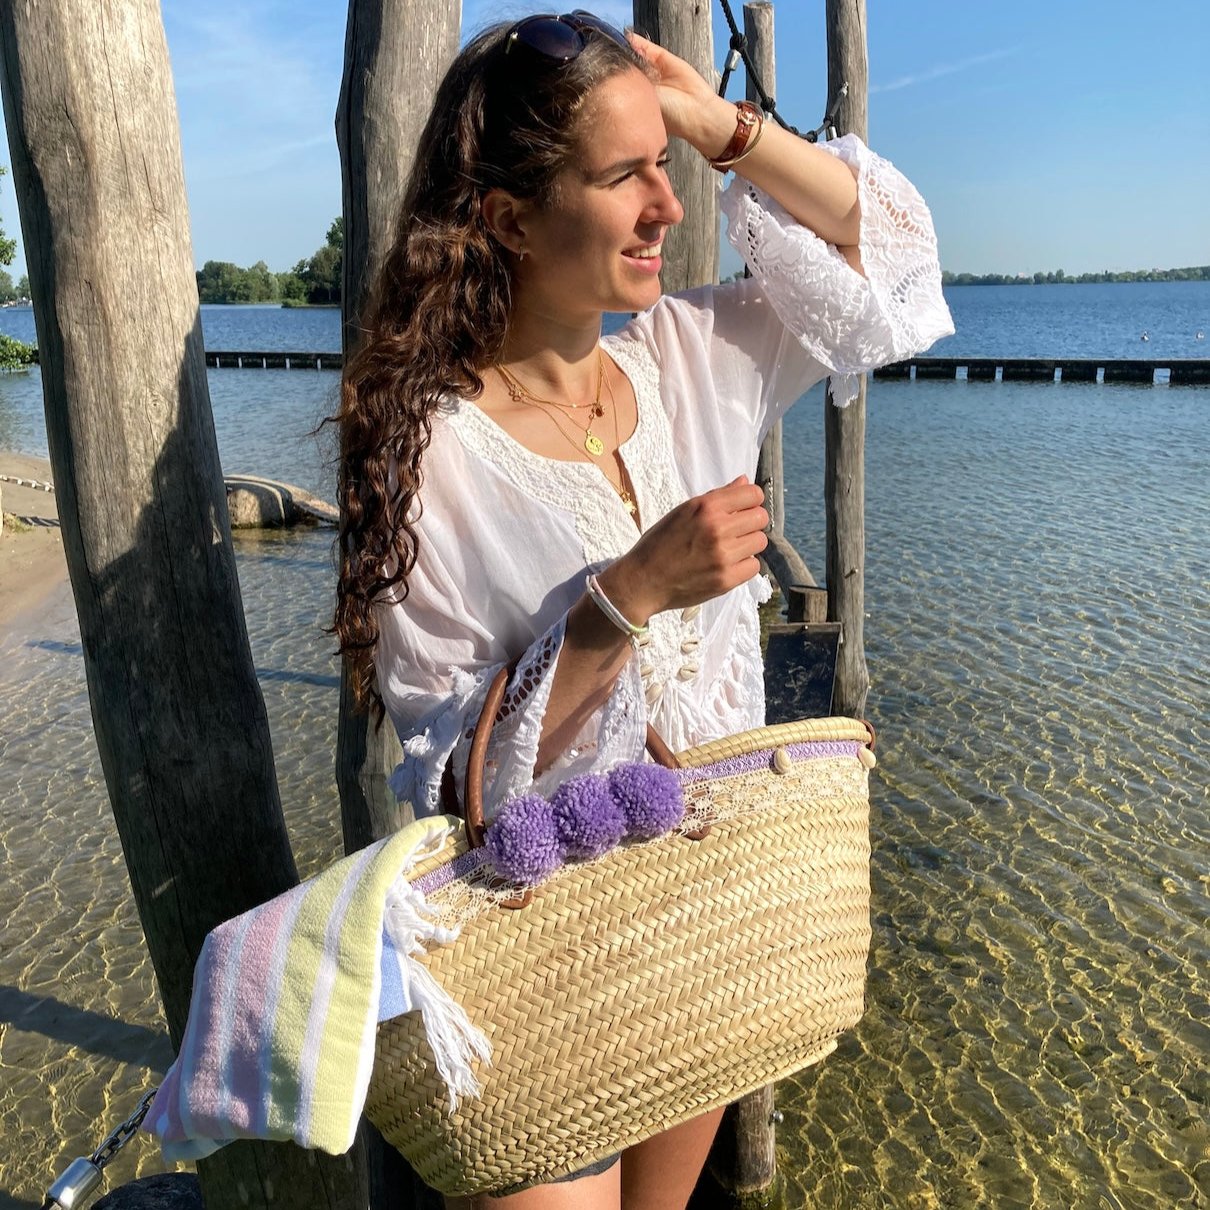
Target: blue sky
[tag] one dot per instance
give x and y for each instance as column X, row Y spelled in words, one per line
column 1071, row 135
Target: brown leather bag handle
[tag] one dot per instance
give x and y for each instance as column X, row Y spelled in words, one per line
column 477, row 761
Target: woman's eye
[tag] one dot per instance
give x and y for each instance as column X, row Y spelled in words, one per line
column 664, row 162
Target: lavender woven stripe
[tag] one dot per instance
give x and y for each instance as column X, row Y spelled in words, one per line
column 451, row 871
column 733, row 766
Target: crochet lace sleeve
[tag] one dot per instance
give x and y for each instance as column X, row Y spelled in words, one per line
column 445, row 730
column 614, row 733
column 847, row 322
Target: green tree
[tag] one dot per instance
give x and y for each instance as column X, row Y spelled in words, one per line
column 14, row 354
column 8, row 247
column 290, row 286
column 262, row 283
column 323, row 275
column 23, row 286
column 218, row 282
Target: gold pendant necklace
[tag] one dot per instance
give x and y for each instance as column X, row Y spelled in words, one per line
column 519, row 393
column 628, row 501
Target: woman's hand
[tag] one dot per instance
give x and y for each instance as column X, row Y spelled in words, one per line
column 701, row 549
column 691, row 109
column 818, row 189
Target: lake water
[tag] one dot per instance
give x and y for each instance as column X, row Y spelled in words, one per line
column 1038, row 588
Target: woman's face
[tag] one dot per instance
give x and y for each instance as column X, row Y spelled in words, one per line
column 596, row 248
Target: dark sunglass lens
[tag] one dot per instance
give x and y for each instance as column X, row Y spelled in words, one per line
column 549, row 36
column 582, row 20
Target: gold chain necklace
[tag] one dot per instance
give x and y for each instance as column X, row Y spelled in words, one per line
column 519, row 393
column 628, row 501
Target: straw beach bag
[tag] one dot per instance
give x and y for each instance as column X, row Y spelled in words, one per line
column 654, row 983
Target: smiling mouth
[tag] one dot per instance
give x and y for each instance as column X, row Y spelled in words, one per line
column 649, row 253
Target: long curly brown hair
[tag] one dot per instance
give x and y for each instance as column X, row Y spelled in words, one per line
column 438, row 313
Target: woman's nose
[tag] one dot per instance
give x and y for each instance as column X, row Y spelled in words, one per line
column 664, row 206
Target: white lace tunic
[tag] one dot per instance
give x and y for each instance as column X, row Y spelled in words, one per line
column 507, row 536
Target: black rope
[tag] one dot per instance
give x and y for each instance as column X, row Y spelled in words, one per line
column 739, row 50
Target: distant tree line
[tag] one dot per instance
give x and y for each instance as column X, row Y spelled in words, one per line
column 14, row 354
column 10, row 293
column 1057, row 276
column 315, row 280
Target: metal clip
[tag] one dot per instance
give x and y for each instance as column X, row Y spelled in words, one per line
column 83, row 1175
column 79, row 1179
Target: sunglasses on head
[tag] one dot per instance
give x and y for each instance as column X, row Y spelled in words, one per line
column 560, row 38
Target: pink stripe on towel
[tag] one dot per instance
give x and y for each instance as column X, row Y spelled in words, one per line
column 245, row 1076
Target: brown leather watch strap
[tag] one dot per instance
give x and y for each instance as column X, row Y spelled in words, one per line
column 748, row 120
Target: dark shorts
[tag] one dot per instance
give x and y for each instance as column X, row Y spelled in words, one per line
column 592, row 1170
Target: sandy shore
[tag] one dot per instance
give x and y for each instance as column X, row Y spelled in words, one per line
column 32, row 565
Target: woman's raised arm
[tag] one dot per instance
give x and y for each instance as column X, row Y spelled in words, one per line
column 819, row 190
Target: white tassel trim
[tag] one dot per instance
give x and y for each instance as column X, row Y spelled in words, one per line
column 454, row 1039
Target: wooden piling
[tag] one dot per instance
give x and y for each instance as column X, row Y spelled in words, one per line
column 770, row 475
column 844, row 428
column 690, row 254
column 179, row 720
column 396, row 52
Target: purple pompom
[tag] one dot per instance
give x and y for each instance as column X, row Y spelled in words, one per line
column 522, row 841
column 588, row 821
column 650, row 798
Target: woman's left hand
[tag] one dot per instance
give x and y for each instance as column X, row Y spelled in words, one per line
column 685, row 97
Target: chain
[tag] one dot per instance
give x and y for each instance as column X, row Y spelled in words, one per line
column 118, row 1138
column 738, row 51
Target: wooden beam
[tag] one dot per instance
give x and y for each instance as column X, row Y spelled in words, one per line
column 770, row 466
column 396, row 52
column 691, row 248
column 178, row 716
column 844, row 428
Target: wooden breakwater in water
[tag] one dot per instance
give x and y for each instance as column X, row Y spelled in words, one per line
column 1157, row 371
column 274, row 361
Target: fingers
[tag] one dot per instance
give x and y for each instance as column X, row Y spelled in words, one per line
column 742, row 503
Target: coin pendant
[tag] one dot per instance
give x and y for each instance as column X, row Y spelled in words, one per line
column 594, row 445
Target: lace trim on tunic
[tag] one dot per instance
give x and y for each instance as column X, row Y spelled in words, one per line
column 849, row 323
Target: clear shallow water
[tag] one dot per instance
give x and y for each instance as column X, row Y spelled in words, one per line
column 1038, row 587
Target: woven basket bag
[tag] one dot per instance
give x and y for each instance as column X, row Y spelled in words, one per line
column 654, row 984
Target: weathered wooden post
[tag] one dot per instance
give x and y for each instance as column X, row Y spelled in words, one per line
column 758, row 33
column 691, row 249
column 395, row 54
column 744, row 1158
column 844, row 428
column 179, row 719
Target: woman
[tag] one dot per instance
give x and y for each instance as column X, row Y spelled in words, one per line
column 518, row 489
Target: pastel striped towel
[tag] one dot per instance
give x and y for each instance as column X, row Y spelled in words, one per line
column 280, row 1038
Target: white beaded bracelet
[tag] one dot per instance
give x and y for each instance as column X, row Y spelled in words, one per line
column 597, row 595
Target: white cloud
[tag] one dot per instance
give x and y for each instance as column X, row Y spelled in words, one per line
column 944, row 69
